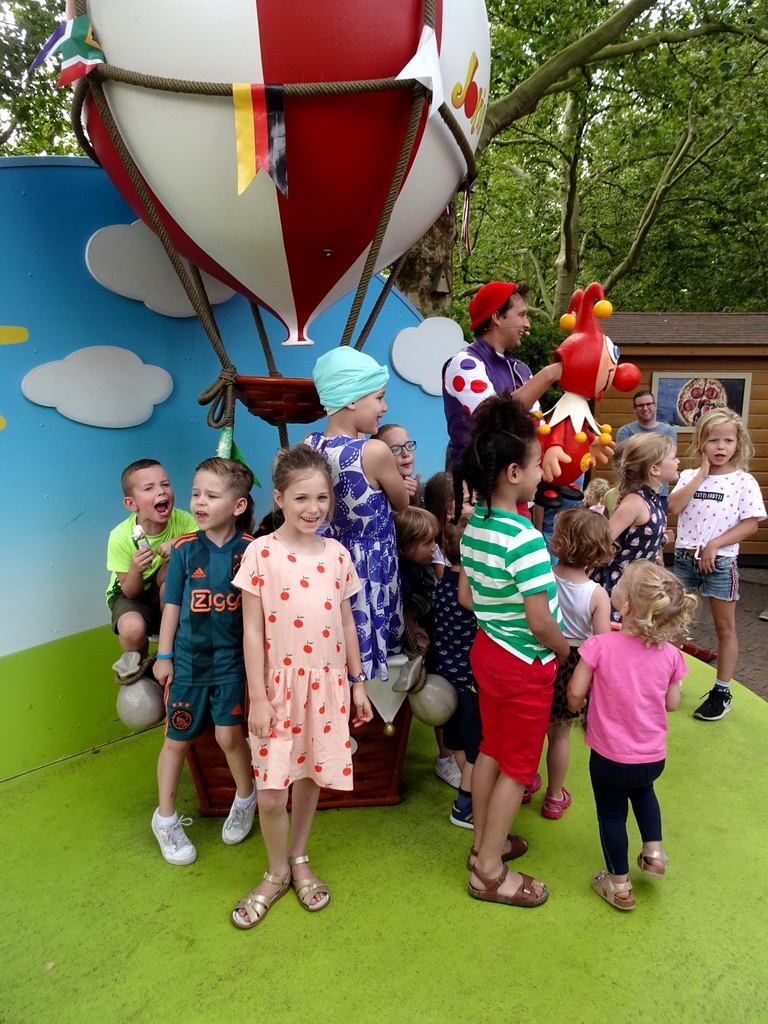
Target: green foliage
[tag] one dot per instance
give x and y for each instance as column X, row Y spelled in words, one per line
column 34, row 114
column 626, row 117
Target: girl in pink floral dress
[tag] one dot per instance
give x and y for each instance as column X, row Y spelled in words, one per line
column 301, row 655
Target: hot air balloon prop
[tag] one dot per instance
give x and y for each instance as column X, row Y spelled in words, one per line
column 291, row 157
column 572, row 441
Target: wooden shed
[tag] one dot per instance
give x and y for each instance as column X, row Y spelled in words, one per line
column 681, row 355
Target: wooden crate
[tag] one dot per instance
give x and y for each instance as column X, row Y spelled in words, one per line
column 377, row 767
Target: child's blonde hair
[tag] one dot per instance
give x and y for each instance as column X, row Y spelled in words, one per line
column 639, row 454
column 595, row 491
column 581, row 537
column 662, row 608
column 414, row 526
column 718, row 418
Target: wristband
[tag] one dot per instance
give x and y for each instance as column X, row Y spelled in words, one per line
column 362, row 678
column 164, row 657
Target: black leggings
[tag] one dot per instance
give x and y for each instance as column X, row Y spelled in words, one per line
column 615, row 785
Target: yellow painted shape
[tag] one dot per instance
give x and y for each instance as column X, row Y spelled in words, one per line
column 13, row 335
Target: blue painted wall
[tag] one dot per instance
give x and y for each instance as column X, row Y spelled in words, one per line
column 60, row 494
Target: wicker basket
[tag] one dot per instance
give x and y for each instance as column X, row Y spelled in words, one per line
column 280, row 399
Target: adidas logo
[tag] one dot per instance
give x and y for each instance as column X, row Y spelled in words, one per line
column 198, row 574
column 236, row 711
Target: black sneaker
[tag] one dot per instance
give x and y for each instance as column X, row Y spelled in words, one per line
column 716, row 706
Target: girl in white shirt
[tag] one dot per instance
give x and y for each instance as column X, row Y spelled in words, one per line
column 718, row 505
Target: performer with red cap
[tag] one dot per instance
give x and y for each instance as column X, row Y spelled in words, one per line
column 499, row 319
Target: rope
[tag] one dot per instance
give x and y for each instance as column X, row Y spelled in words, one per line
column 383, row 296
column 419, row 94
column 412, row 652
column 264, row 339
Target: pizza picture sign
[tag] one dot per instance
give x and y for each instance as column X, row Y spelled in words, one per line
column 682, row 399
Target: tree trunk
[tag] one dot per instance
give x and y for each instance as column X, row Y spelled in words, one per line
column 428, row 262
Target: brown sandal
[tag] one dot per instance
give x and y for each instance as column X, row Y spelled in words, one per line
column 518, row 846
column 524, row 897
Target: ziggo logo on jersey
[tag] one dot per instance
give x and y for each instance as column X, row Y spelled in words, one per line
column 205, row 601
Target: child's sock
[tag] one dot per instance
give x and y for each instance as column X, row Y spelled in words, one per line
column 464, row 793
column 444, row 760
column 720, row 685
column 166, row 822
column 239, row 802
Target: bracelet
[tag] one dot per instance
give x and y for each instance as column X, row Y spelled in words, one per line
column 164, row 657
column 362, row 678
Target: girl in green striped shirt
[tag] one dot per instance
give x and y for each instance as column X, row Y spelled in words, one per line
column 507, row 580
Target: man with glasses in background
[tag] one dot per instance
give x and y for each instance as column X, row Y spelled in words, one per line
column 645, row 422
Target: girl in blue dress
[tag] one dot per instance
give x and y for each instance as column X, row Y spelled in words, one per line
column 367, row 488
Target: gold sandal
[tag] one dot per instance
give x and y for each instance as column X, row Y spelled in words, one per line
column 255, row 905
column 653, row 863
column 307, row 889
column 609, row 895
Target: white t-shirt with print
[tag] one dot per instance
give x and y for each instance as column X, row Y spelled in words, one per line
column 719, row 503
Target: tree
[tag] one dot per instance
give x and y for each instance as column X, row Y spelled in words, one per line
column 606, row 114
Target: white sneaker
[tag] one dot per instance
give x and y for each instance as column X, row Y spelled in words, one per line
column 174, row 845
column 448, row 771
column 239, row 822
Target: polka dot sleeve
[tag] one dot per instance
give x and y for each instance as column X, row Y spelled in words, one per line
column 466, row 379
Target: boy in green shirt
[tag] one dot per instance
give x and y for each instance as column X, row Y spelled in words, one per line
column 138, row 572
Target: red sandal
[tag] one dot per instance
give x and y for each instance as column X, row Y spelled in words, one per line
column 534, row 787
column 555, row 808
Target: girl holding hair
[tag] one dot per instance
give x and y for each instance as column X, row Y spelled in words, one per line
column 580, row 539
column 639, row 522
column 368, row 488
column 301, row 655
column 718, row 505
column 506, row 579
column 633, row 677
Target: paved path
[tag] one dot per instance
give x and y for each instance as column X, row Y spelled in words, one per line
column 752, row 666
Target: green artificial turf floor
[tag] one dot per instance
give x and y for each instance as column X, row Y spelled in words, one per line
column 97, row 928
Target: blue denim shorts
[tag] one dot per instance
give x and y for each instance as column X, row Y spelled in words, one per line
column 722, row 584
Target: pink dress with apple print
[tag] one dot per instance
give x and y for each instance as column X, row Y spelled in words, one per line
column 305, row 659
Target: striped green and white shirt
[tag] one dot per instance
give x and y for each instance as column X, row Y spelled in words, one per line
column 506, row 560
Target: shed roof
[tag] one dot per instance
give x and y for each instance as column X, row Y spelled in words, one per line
column 702, row 329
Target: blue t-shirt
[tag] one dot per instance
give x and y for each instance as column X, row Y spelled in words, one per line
column 208, row 649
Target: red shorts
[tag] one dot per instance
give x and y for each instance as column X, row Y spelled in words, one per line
column 515, row 702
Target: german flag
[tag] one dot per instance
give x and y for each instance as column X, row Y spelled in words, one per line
column 260, row 134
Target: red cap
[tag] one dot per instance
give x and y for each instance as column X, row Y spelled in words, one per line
column 490, row 298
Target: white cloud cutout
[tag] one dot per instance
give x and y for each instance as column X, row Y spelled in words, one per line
column 130, row 259
column 102, row 386
column 418, row 353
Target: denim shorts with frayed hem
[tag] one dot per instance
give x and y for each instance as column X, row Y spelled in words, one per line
column 722, row 584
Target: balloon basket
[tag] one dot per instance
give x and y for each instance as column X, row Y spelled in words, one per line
column 280, row 399
column 377, row 768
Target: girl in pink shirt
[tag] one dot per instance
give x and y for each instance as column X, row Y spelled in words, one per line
column 634, row 678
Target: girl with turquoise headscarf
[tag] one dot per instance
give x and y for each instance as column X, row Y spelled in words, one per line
column 368, row 488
